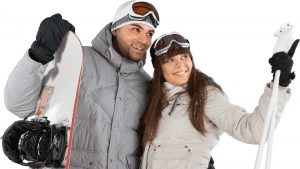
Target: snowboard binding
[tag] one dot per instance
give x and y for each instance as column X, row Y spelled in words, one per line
column 37, row 142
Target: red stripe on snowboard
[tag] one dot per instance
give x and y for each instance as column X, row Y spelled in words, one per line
column 73, row 118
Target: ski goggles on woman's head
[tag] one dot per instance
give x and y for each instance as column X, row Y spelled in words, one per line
column 169, row 41
column 139, row 11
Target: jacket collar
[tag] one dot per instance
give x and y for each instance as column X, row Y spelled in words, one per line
column 171, row 92
column 104, row 45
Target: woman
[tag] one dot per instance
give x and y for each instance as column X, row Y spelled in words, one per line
column 187, row 110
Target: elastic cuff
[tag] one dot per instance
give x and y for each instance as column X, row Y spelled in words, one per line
column 42, row 54
column 281, row 90
column 33, row 66
column 32, row 55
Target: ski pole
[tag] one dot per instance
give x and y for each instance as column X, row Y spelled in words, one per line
column 271, row 112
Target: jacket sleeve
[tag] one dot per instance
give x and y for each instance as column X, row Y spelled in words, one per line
column 23, row 87
column 235, row 121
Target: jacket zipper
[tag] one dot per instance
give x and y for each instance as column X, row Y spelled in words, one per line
column 147, row 157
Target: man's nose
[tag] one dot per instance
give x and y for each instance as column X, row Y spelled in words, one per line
column 142, row 39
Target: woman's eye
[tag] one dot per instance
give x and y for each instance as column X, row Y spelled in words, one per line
column 170, row 60
column 185, row 56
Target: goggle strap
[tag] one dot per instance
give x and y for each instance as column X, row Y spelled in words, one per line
column 153, row 18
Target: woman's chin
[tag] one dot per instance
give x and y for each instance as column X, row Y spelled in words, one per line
column 180, row 82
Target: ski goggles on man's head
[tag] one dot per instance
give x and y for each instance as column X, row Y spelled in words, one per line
column 169, row 41
column 139, row 11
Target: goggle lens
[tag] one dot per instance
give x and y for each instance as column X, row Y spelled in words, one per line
column 141, row 8
column 167, row 40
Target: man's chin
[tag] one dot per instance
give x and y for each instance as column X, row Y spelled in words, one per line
column 136, row 57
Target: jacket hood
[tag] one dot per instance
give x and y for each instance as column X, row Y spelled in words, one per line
column 104, row 45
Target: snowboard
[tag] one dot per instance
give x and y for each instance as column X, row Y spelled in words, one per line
column 60, row 87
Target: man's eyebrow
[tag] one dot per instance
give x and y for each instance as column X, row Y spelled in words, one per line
column 141, row 27
column 151, row 31
column 136, row 26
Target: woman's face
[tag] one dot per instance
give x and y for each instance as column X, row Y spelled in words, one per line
column 177, row 69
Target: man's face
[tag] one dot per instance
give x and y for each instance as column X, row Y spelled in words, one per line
column 133, row 40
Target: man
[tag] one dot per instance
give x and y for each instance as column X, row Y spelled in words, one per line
column 113, row 92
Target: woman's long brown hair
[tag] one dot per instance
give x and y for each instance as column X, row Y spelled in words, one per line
column 196, row 88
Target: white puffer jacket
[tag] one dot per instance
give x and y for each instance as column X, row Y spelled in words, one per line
column 179, row 145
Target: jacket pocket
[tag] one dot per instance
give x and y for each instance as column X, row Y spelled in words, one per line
column 170, row 160
column 132, row 162
column 83, row 159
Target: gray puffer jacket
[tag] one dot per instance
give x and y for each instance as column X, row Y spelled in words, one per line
column 111, row 102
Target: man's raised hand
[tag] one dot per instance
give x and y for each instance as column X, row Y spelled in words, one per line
column 48, row 38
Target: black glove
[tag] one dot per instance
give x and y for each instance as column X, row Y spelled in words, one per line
column 211, row 163
column 283, row 61
column 49, row 37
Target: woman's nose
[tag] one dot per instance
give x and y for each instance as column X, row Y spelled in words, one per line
column 179, row 63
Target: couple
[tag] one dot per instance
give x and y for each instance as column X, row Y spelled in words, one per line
column 177, row 117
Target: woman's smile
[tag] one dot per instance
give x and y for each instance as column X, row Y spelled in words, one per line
column 180, row 73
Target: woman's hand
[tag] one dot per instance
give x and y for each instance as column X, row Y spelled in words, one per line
column 283, row 61
column 283, row 52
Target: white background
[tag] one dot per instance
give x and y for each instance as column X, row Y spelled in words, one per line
column 231, row 41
